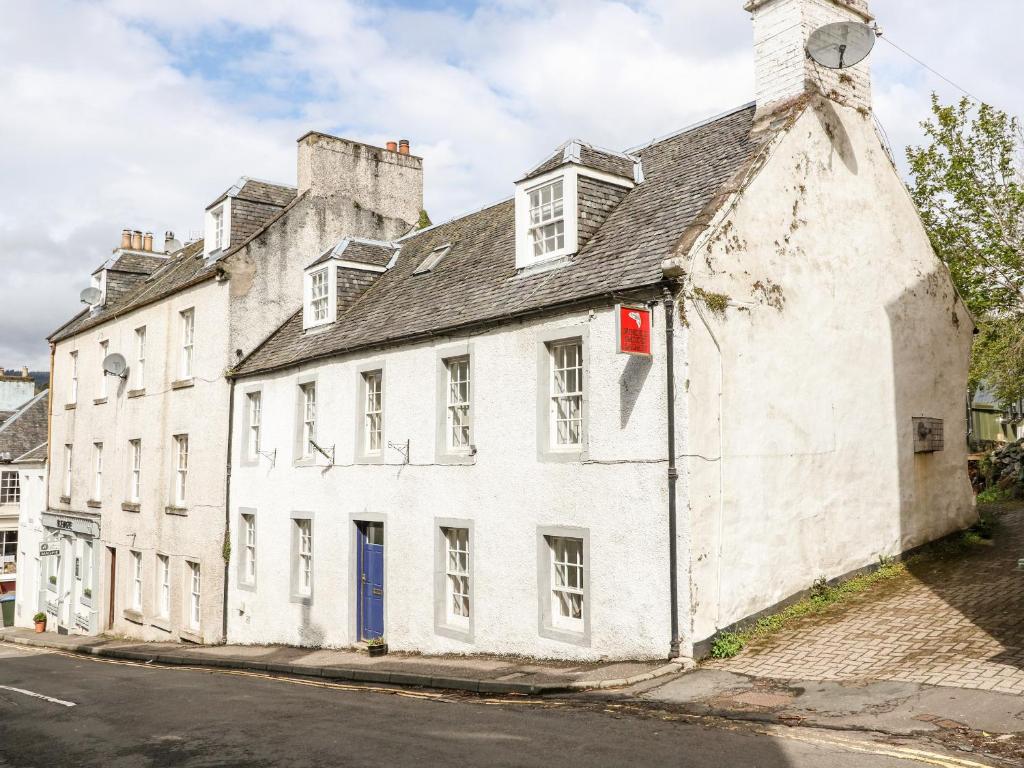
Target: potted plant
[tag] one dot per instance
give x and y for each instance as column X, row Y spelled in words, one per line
column 376, row 646
column 40, row 620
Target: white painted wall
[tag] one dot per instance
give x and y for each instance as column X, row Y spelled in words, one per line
column 507, row 493
column 200, row 410
column 819, row 472
column 32, row 478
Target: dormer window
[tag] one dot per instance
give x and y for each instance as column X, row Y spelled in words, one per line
column 320, row 304
column 217, row 233
column 547, row 218
column 318, row 297
column 218, row 228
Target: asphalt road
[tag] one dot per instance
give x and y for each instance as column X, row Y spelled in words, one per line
column 127, row 715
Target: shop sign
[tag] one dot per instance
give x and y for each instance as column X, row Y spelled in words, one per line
column 47, row 548
column 633, row 330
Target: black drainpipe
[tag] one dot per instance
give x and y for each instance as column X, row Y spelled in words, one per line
column 227, row 508
column 673, row 474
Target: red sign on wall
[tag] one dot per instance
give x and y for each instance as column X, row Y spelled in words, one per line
column 633, row 336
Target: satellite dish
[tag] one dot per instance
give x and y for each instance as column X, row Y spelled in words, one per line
column 115, row 365
column 841, row 45
column 91, row 296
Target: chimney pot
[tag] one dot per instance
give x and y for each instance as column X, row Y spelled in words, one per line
column 126, row 238
column 403, row 146
column 147, row 242
column 24, row 371
column 392, row 146
column 136, row 240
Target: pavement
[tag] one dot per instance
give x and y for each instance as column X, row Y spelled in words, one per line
column 66, row 709
column 956, row 622
column 477, row 674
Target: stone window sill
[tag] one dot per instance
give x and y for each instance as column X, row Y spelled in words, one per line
column 191, row 637
column 99, row 401
column 182, row 511
column 65, row 499
column 130, row 506
column 133, row 616
column 137, row 392
column 93, row 503
column 183, row 383
column 160, row 623
column 69, row 406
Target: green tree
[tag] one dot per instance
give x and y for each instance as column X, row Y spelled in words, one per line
column 968, row 183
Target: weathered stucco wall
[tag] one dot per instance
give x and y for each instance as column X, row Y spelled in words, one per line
column 818, row 391
column 200, row 411
column 506, row 492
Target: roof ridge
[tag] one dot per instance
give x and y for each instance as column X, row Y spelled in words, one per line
column 693, row 127
column 21, row 411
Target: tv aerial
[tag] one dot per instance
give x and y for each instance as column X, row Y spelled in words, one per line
column 91, row 296
column 841, row 45
column 114, row 364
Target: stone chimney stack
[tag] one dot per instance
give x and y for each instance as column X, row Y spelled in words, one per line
column 356, row 178
column 783, row 70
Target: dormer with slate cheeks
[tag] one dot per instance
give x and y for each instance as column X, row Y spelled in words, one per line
column 242, row 210
column 562, row 202
column 339, row 277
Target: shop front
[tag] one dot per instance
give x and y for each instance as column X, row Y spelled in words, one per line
column 68, row 558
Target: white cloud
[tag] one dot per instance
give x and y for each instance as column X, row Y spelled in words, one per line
column 137, row 114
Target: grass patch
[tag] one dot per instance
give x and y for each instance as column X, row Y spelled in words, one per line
column 994, row 494
column 824, row 596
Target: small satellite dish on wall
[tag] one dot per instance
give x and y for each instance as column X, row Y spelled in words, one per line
column 115, row 365
column 841, row 45
column 91, row 296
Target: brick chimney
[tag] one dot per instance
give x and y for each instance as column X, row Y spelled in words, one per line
column 374, row 192
column 783, row 70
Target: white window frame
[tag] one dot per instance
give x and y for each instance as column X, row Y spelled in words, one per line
column 181, row 457
column 73, row 391
column 69, row 457
column 10, row 487
column 308, row 418
column 458, row 400
column 97, row 482
column 136, row 580
column 163, row 585
column 135, row 471
column 217, row 236
column 373, row 412
column 329, row 296
column 87, row 571
column 254, row 422
column 562, row 392
column 458, row 587
column 563, row 575
column 303, row 562
column 193, row 606
column 139, row 374
column 247, row 574
column 186, row 364
column 101, row 390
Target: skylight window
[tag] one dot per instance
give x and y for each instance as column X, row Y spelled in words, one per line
column 433, row 259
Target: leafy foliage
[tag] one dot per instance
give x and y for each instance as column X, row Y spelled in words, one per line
column 969, row 186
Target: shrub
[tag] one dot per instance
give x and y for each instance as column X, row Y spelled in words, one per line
column 39, row 617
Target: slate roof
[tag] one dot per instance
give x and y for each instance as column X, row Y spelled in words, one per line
column 477, row 282
column 372, row 252
column 616, row 163
column 27, row 428
column 36, row 454
column 181, row 269
column 256, row 191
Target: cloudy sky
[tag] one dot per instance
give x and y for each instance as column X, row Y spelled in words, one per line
column 132, row 113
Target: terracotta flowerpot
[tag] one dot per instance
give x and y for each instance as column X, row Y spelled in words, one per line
column 40, row 626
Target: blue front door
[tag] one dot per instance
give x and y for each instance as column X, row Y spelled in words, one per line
column 370, row 582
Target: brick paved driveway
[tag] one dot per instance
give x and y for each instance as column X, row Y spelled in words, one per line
column 958, row 623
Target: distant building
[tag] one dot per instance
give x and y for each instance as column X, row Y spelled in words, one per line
column 16, row 389
column 35, row 568
column 20, row 434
